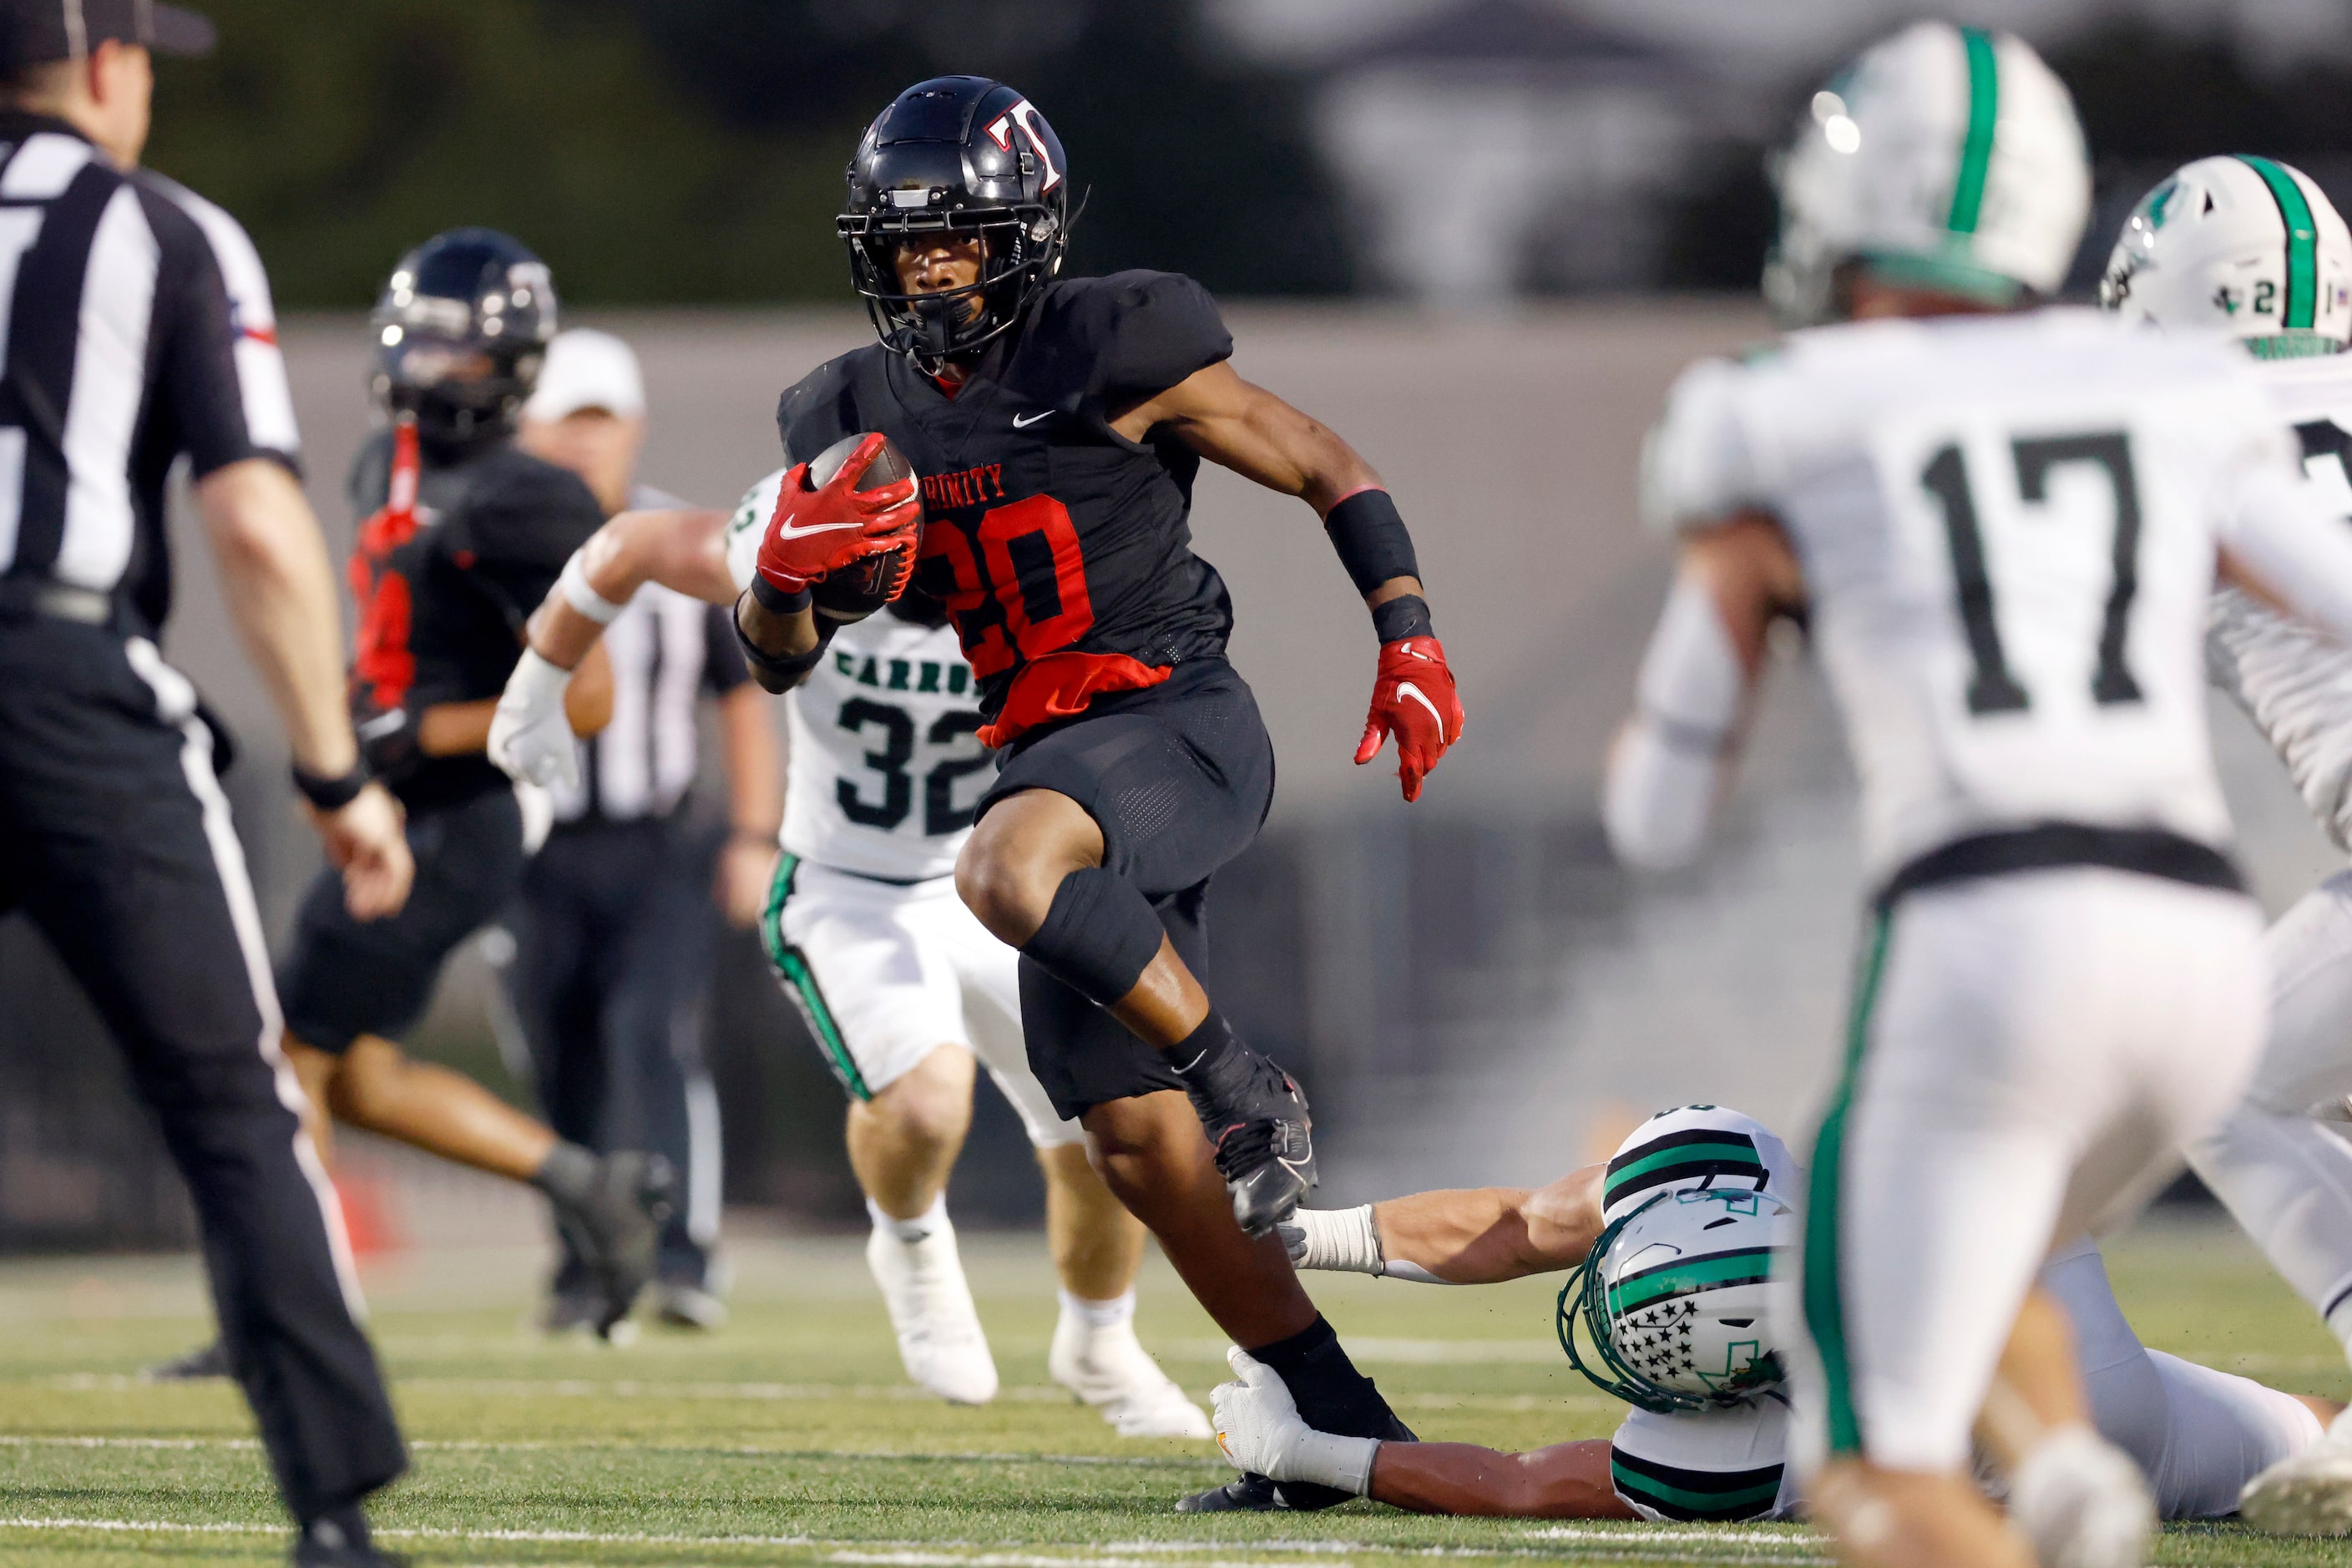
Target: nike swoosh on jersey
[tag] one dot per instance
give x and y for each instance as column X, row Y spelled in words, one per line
column 1022, row 422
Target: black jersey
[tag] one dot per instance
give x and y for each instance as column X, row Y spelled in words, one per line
column 1047, row 534
column 443, row 592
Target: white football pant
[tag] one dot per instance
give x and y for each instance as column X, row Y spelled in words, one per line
column 2027, row 1054
column 2286, row 1174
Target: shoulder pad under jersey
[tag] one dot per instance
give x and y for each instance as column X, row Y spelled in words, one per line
column 1697, row 467
column 747, row 523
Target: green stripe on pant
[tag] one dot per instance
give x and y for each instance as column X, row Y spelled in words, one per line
column 800, row 981
column 1823, row 1299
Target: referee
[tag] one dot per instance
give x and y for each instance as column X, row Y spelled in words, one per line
column 138, row 331
column 615, row 929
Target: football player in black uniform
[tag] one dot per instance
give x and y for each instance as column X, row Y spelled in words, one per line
column 1057, row 425
column 463, row 534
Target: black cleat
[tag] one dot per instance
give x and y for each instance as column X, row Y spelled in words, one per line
column 1258, row 1122
column 324, row 1545
column 1246, row 1493
column 614, row 1229
column 309, row 1554
column 207, row 1361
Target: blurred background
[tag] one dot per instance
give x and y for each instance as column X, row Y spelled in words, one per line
column 1477, row 236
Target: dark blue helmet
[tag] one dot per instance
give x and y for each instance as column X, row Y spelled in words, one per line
column 957, row 154
column 461, row 329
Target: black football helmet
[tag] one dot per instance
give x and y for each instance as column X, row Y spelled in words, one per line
column 956, row 155
column 461, row 330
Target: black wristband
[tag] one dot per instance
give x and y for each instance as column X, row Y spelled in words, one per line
column 776, row 672
column 775, row 601
column 331, row 793
column 1406, row 616
column 1372, row 539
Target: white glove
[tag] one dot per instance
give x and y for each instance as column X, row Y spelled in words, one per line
column 530, row 736
column 1259, row 1428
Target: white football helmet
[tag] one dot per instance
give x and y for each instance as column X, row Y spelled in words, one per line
column 1946, row 158
column 2241, row 246
column 1674, row 1300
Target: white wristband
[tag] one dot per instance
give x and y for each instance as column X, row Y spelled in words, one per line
column 577, row 593
column 1333, row 1461
column 1341, row 1238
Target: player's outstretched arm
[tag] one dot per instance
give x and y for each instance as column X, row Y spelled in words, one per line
column 2283, row 544
column 685, row 550
column 1480, row 1235
column 1258, row 435
column 1567, row 1481
column 1259, row 1428
column 552, row 693
column 1668, row 762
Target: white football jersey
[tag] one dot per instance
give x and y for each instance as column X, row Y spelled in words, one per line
column 2294, row 679
column 886, row 764
column 2008, row 528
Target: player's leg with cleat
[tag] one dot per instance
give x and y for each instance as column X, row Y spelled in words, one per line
column 1152, row 1156
column 611, row 1206
column 903, row 1140
column 611, row 1209
column 1098, row 1248
column 1032, row 872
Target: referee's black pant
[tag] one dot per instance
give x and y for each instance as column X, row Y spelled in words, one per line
column 115, row 839
column 615, row 938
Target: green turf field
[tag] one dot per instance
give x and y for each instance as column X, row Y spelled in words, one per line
column 790, row 1437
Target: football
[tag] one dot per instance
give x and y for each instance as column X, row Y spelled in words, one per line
column 856, row 593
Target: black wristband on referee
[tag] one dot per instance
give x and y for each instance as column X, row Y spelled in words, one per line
column 1371, row 538
column 775, row 601
column 1406, row 616
column 331, row 793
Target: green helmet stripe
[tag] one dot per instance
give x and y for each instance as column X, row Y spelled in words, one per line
column 1976, row 147
column 1725, row 1156
column 1747, row 1266
column 2302, row 241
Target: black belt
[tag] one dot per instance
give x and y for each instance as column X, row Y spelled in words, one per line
column 56, row 601
column 873, row 877
column 2050, row 845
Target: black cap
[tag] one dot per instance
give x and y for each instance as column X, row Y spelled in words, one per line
column 35, row 32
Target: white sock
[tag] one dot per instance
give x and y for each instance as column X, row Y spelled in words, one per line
column 1117, row 1312
column 911, row 1231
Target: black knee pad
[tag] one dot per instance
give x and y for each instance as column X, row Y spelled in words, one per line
column 1098, row 937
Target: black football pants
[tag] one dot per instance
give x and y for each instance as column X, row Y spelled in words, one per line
column 613, row 945
column 115, row 839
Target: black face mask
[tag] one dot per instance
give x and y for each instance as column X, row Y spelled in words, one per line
column 935, row 324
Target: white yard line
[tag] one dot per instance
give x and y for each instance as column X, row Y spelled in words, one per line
column 1623, row 1540
column 812, row 1393
column 624, row 1446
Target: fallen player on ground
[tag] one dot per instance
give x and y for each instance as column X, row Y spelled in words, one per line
column 2199, row 1435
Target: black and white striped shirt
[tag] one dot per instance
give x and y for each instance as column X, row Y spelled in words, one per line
column 136, row 328
column 667, row 651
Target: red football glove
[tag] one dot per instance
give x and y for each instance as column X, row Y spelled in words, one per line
column 1413, row 699
column 818, row 532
